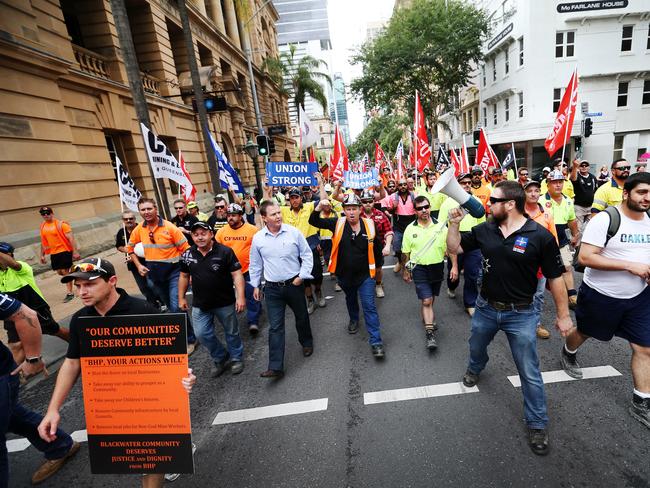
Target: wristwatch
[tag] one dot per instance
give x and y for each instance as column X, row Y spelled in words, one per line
column 33, row 360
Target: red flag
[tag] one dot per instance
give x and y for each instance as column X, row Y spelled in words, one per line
column 312, row 155
column 457, row 162
column 380, row 157
column 421, row 146
column 464, row 159
column 485, row 156
column 561, row 130
column 189, row 194
column 325, row 171
column 340, row 157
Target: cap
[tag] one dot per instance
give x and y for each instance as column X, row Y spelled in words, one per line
column 462, row 176
column 234, row 208
column 295, row 191
column 90, row 269
column 555, row 175
column 201, row 225
column 368, row 194
column 6, row 248
column 546, row 168
column 477, row 169
column 497, row 171
column 640, row 163
column 584, row 163
column 192, row 205
column 43, row 210
column 351, row 199
column 531, row 183
column 306, row 189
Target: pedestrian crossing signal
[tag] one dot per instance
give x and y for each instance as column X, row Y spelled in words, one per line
column 589, row 124
column 263, row 145
column 271, row 145
column 476, row 137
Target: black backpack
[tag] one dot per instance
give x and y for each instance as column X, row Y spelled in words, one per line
column 614, row 224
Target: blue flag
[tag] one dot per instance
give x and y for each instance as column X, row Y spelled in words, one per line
column 227, row 174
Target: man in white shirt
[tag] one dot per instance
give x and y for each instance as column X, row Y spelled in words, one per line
column 614, row 298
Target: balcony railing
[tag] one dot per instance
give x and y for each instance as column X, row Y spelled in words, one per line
column 91, row 62
column 150, row 83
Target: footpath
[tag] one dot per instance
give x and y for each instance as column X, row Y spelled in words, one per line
column 54, row 291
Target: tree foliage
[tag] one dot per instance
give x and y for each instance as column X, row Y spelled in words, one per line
column 303, row 75
column 385, row 129
column 432, row 47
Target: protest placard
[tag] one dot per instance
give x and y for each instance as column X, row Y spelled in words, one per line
column 291, row 174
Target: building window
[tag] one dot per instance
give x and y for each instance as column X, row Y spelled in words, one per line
column 322, row 141
column 507, row 109
column 483, row 74
column 494, row 70
column 626, row 39
column 557, row 96
column 647, row 46
column 494, row 113
column 622, row 94
column 521, row 105
column 565, row 44
column 645, row 100
column 484, row 116
column 507, row 64
column 618, row 148
column 521, row 51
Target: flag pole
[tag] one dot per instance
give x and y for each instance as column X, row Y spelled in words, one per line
column 514, row 155
column 566, row 131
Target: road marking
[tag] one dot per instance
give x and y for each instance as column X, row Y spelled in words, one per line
column 17, row 445
column 280, row 410
column 560, row 375
column 416, row 393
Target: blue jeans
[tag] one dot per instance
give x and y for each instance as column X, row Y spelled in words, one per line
column 366, row 292
column 538, row 299
column 204, row 328
column 168, row 293
column 253, row 307
column 277, row 298
column 470, row 262
column 520, row 329
column 17, row 419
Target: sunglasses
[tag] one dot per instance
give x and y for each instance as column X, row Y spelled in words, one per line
column 151, row 237
column 128, row 219
column 89, row 267
column 179, row 208
column 523, row 174
column 624, row 168
column 46, row 212
column 402, row 184
column 423, row 207
column 367, row 201
column 219, row 207
column 494, row 200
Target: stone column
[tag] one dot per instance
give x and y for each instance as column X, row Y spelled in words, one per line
column 200, row 5
column 230, row 15
column 214, row 7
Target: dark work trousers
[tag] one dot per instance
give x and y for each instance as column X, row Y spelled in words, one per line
column 277, row 298
column 470, row 262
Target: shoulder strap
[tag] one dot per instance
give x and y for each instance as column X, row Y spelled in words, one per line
column 614, row 223
column 412, row 195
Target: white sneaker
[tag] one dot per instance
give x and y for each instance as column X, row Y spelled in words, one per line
column 337, row 287
column 379, row 291
column 451, row 294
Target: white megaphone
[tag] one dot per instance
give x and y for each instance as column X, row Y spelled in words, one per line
column 448, row 185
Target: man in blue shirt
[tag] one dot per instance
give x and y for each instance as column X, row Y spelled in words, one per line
column 13, row 416
column 281, row 253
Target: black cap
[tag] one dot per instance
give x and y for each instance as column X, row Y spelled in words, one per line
column 531, row 183
column 234, row 208
column 477, row 169
column 6, row 248
column 462, row 176
column 497, row 171
column 295, row 191
column 45, row 210
column 201, row 225
column 90, row 269
column 305, row 189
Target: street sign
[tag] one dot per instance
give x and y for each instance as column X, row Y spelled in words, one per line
column 594, row 114
column 585, row 107
column 277, row 130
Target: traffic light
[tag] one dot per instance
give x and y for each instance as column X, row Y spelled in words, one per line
column 271, row 145
column 263, row 146
column 477, row 137
column 578, row 143
column 588, row 126
column 212, row 104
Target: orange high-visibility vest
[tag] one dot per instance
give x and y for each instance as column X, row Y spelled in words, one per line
column 336, row 239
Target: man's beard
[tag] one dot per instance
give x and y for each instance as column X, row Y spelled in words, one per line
column 634, row 206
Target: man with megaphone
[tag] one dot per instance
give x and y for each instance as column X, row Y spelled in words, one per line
column 514, row 247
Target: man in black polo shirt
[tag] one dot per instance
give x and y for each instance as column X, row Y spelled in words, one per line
column 584, row 186
column 214, row 268
column 513, row 248
column 183, row 220
column 96, row 285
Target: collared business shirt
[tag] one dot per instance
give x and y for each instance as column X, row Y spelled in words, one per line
column 280, row 257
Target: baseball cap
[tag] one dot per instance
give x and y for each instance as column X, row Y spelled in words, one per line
column 462, row 176
column 546, row 168
column 6, row 248
column 295, row 192
column 555, row 175
column 45, row 210
column 531, row 183
column 235, row 208
column 90, row 269
column 497, row 171
column 306, row 189
column 477, row 169
column 200, row 225
column 192, row 205
column 351, row 199
column 367, row 194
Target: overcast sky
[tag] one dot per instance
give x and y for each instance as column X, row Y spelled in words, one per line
column 348, row 20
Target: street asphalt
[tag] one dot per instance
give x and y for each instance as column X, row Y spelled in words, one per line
column 460, row 438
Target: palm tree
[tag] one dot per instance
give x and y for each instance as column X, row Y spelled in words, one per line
column 301, row 74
